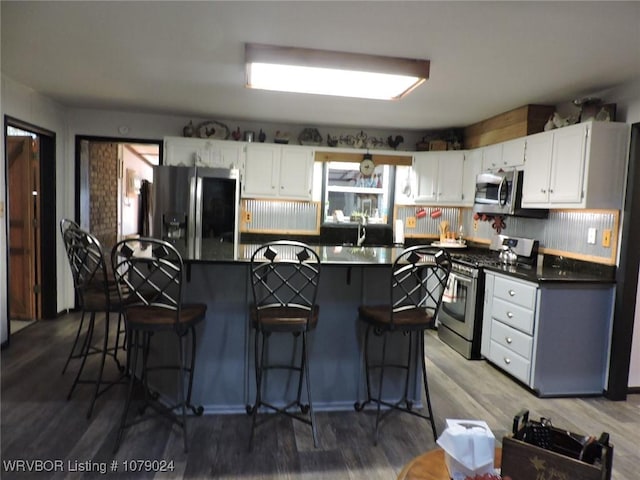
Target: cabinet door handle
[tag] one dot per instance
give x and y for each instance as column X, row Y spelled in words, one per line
column 551, row 190
column 511, row 293
column 508, row 339
column 543, row 190
column 509, row 315
column 507, row 360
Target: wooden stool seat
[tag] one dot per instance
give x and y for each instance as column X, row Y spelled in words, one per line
column 430, row 466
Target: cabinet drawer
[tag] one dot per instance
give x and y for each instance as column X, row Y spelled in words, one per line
column 515, row 292
column 513, row 315
column 512, row 339
column 510, row 362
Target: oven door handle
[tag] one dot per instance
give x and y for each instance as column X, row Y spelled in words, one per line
column 467, row 282
column 462, row 278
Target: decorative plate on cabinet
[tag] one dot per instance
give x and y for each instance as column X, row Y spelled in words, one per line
column 213, row 129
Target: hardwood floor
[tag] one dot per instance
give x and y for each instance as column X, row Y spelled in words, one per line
column 17, row 325
column 38, row 423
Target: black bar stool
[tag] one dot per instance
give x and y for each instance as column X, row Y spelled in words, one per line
column 95, row 294
column 418, row 279
column 149, row 276
column 284, row 281
column 65, row 224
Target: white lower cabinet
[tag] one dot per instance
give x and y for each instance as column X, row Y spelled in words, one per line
column 510, row 308
column 551, row 336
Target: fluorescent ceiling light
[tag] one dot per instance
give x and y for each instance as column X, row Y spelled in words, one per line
column 303, row 70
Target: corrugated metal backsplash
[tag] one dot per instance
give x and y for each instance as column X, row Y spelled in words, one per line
column 563, row 231
column 279, row 216
column 427, row 225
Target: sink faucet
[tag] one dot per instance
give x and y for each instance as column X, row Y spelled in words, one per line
column 362, row 231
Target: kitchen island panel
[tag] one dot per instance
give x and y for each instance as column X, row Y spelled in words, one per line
column 335, row 350
column 224, row 379
column 222, row 350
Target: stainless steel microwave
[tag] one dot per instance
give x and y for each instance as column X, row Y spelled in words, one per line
column 500, row 193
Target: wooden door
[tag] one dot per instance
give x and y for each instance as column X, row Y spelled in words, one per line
column 24, row 187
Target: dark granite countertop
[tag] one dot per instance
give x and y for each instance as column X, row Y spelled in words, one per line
column 219, row 252
column 553, row 269
column 559, row 269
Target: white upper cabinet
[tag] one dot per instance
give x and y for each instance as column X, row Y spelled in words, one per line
column 278, row 171
column 491, row 156
column 439, row 177
column 580, row 166
column 505, row 155
column 472, row 167
column 296, row 172
column 201, row 152
column 425, row 171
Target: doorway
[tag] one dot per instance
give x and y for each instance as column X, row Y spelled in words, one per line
column 31, row 273
column 110, row 174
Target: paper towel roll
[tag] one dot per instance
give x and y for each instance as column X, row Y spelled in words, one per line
column 398, row 232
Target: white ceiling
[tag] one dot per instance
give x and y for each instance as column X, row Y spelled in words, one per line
column 186, row 58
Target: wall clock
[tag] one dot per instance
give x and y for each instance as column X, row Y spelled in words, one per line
column 367, row 166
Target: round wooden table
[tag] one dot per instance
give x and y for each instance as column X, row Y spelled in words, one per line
column 430, row 466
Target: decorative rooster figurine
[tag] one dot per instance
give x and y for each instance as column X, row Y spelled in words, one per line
column 394, row 142
column 236, row 135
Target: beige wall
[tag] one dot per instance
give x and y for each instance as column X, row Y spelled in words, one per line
column 29, row 106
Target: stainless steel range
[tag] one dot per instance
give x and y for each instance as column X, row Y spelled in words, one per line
column 460, row 317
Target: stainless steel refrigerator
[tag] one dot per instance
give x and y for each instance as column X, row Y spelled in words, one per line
column 194, row 206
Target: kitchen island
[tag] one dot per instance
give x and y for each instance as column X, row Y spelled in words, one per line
column 218, row 274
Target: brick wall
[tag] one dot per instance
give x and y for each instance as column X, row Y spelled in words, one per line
column 103, row 188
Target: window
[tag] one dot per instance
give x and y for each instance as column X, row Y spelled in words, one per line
column 349, row 194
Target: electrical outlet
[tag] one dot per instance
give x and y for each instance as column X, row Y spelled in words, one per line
column 410, row 222
column 606, row 238
column 247, row 217
column 591, row 236
column 475, row 225
column 1, row 209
